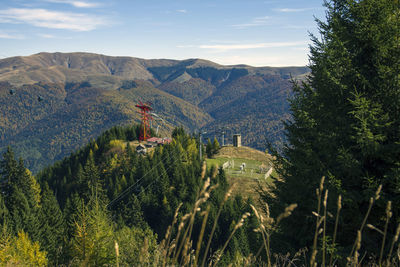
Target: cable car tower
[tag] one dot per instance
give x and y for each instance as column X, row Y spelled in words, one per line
column 144, row 111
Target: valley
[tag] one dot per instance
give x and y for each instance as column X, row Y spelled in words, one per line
column 85, row 94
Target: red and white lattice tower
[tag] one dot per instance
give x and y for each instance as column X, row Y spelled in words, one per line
column 144, row 109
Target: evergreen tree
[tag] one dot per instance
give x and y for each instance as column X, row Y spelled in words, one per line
column 8, row 172
column 215, row 146
column 345, row 123
column 179, row 131
column 92, row 244
column 130, row 213
column 4, row 214
column 137, row 247
column 21, row 251
column 53, row 226
column 92, row 184
column 209, row 148
column 21, row 196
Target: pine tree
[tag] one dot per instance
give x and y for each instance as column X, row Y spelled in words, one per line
column 130, row 213
column 345, row 122
column 8, row 171
column 209, row 148
column 93, row 243
column 21, row 196
column 215, row 146
column 53, row 224
column 137, row 247
column 91, row 182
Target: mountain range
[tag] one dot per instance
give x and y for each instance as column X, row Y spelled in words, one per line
column 83, row 94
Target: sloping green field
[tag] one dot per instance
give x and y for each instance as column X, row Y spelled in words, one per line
column 246, row 181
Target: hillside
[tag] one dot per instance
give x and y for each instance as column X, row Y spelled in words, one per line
column 86, row 93
column 245, row 182
column 106, row 196
column 72, row 114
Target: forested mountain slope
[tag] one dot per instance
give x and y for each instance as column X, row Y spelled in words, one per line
column 76, row 210
column 84, row 94
column 71, row 114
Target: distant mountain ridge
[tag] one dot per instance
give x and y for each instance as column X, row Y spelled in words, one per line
column 73, row 67
column 85, row 93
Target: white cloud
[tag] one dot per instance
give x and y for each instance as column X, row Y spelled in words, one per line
column 52, row 19
column 262, row 60
column 229, row 47
column 182, row 11
column 186, row 46
column 259, row 21
column 80, row 4
column 47, row 36
column 5, row 35
column 288, row 10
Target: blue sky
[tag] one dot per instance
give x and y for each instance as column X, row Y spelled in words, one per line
column 253, row 32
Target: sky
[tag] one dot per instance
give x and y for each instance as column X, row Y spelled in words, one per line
column 228, row 32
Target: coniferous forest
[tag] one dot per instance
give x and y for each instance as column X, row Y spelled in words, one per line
column 334, row 200
column 76, row 211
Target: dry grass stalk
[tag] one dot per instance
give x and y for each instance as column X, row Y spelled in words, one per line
column 227, row 195
column 203, row 227
column 395, row 238
column 267, row 226
column 117, row 253
column 339, row 207
column 180, row 247
column 388, row 216
column 370, row 226
column 288, row 211
column 203, row 170
column 264, row 234
column 166, row 246
column 184, row 244
column 371, row 203
column 325, row 204
column 319, row 196
column 202, row 198
column 358, row 246
column 237, row 226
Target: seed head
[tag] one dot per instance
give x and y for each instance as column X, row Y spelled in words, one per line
column 378, row 192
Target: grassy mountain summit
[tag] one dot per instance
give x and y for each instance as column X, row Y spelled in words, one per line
column 84, row 94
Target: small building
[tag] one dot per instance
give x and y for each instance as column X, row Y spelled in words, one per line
column 157, row 141
column 237, row 140
column 141, row 149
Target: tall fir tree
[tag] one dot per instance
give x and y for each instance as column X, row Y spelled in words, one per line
column 209, row 148
column 53, row 225
column 215, row 146
column 21, row 196
column 345, row 123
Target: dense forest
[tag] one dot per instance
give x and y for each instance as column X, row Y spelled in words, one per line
column 71, row 114
column 73, row 212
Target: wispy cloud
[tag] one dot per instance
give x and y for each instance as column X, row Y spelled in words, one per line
column 289, row 10
column 5, row 35
column 182, row 11
column 259, row 21
column 53, row 19
column 297, row 26
column 80, row 4
column 187, row 46
column 47, row 36
column 229, row 47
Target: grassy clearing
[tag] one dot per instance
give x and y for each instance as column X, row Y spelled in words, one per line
column 252, row 169
column 246, row 181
